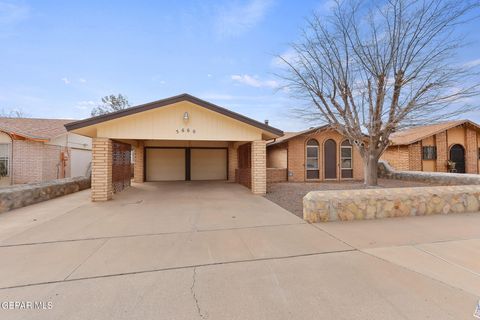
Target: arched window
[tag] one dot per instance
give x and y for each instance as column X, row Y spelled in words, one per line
column 5, row 159
column 346, row 159
column 312, row 160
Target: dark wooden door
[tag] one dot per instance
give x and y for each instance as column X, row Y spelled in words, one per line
column 330, row 159
column 457, row 155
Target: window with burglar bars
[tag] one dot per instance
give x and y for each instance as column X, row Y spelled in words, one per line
column 429, row 153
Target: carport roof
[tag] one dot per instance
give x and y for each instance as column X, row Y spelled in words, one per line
column 169, row 101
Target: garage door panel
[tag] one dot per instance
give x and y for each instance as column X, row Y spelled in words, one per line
column 208, row 164
column 165, row 164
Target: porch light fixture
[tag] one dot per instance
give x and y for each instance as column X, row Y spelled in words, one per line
column 186, row 116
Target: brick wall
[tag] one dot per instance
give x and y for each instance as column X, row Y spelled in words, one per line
column 243, row 174
column 276, row 175
column 37, row 162
column 415, row 156
column 138, row 170
column 296, row 155
column 259, row 167
column 102, row 189
column 442, row 151
column 277, row 156
column 232, row 161
column 471, row 152
column 397, row 156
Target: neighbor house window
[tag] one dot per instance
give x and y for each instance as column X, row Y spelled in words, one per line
column 429, row 153
column 4, row 160
column 312, row 160
column 346, row 159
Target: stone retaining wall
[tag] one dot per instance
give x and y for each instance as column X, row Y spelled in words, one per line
column 443, row 178
column 322, row 206
column 276, row 175
column 26, row 194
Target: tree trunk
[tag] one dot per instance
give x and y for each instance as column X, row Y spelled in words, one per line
column 370, row 167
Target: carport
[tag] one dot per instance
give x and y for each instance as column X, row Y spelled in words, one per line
column 181, row 138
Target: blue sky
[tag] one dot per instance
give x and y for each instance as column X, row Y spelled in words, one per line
column 58, row 58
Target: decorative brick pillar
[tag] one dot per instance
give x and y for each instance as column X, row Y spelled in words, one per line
column 259, row 167
column 471, row 156
column 415, row 157
column 232, row 161
column 442, row 151
column 102, row 189
column 138, row 169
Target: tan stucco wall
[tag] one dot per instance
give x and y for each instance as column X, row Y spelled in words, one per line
column 277, row 157
column 428, row 165
column 5, row 138
column 167, row 123
column 456, row 136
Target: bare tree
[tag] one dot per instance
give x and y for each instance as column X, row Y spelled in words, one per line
column 110, row 104
column 13, row 113
column 376, row 66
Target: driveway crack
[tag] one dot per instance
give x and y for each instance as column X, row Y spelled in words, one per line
column 88, row 257
column 194, row 295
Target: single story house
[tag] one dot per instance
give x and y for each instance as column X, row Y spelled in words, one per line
column 37, row 150
column 451, row 146
column 316, row 154
column 178, row 138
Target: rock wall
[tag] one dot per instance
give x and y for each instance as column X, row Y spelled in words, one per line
column 443, row 178
column 26, row 194
column 322, row 206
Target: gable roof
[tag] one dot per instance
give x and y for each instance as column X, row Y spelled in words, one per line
column 169, row 101
column 415, row 134
column 32, row 128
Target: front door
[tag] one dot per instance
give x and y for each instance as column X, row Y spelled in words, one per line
column 457, row 155
column 330, row 159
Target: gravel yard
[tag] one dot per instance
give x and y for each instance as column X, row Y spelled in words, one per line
column 289, row 195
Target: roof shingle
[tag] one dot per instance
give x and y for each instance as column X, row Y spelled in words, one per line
column 43, row 129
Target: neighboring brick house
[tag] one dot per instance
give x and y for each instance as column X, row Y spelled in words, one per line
column 36, row 150
column 451, row 146
column 316, row 154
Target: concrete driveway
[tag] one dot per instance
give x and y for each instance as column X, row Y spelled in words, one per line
column 214, row 251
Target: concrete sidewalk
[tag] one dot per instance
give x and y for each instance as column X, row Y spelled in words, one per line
column 215, row 251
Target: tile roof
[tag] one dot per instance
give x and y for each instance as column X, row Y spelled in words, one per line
column 41, row 129
column 415, row 134
column 289, row 135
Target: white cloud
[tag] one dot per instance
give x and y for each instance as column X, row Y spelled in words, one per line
column 254, row 81
column 13, row 13
column 209, row 75
column 289, row 55
column 86, row 105
column 65, row 80
column 472, row 63
column 82, row 80
column 237, row 19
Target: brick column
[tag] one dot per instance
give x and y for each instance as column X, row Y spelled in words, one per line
column 471, row 156
column 442, row 151
column 138, row 170
column 415, row 157
column 232, row 161
column 102, row 189
column 259, row 167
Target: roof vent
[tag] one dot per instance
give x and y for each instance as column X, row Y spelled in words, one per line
column 266, row 122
